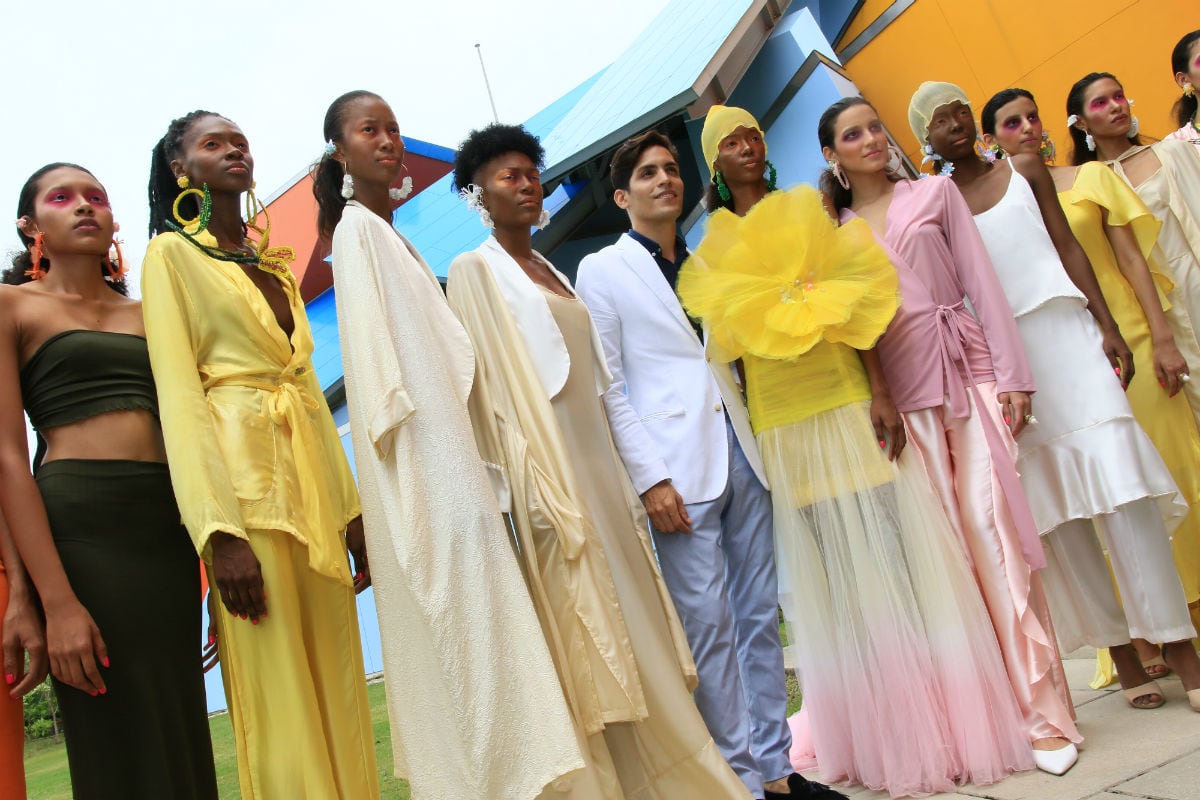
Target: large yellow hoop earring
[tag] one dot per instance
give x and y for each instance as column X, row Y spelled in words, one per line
column 204, row 201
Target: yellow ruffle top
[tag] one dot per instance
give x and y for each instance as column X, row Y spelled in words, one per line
column 784, row 282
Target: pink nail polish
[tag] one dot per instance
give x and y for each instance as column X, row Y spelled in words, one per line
column 104, row 661
column 212, row 639
column 93, row 694
column 1007, row 421
column 254, row 622
column 10, row 679
column 1117, row 370
column 104, row 691
column 882, row 443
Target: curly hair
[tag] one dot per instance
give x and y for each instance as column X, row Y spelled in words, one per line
column 484, row 144
column 162, row 188
column 22, row 261
column 328, row 172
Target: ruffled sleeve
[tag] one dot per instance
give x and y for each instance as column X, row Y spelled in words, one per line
column 783, row 278
column 1098, row 184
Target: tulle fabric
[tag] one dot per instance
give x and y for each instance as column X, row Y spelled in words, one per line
column 784, row 277
column 904, row 686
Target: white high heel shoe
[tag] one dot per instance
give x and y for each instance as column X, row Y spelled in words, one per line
column 1056, row 762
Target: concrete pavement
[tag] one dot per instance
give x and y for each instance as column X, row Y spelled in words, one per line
column 1128, row 754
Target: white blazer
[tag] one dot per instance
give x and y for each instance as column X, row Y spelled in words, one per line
column 667, row 402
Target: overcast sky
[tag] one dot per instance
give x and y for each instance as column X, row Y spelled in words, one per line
column 97, row 83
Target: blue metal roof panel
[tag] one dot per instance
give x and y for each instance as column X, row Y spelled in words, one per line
column 419, row 147
column 663, row 63
column 441, row 226
column 327, row 351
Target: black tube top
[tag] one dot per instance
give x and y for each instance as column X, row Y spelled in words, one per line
column 78, row 374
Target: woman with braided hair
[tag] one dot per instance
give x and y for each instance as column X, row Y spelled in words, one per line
column 263, row 484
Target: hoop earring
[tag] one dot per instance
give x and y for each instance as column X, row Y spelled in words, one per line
column 253, row 206
column 722, row 187
column 771, row 174
column 895, row 160
column 205, row 203
column 1047, row 150
column 403, row 190
column 838, row 175
column 115, row 265
column 35, row 253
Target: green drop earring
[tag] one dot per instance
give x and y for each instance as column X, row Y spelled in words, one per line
column 722, row 187
column 771, row 175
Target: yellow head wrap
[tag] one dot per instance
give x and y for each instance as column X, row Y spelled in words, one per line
column 719, row 123
column 929, row 97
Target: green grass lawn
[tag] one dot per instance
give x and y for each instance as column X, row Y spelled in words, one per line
column 48, row 779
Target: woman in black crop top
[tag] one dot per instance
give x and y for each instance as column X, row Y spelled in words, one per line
column 96, row 525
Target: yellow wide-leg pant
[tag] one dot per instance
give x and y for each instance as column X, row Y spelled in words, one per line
column 295, row 684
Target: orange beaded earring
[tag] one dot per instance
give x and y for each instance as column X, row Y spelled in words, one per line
column 35, row 253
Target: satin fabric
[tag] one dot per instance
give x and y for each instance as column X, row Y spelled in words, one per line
column 1087, row 455
column 297, row 696
column 633, row 750
column 960, row 463
column 249, row 437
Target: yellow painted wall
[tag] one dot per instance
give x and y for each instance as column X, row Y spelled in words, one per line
column 986, row 46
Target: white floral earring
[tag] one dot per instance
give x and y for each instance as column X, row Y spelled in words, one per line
column 402, row 191
column 543, row 219
column 347, row 186
column 472, row 195
column 1088, row 140
column 1133, row 123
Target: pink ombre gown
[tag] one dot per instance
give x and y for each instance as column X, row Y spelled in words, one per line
column 945, row 367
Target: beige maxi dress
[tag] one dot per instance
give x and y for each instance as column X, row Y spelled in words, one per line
column 615, row 638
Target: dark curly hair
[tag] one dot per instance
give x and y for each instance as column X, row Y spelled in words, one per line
column 484, row 144
column 163, row 189
column 1080, row 154
column 987, row 117
column 328, row 172
column 1185, row 107
column 22, row 261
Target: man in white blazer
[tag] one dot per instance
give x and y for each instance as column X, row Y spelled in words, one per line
column 681, row 427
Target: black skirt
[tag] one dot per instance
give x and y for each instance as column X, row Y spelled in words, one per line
column 131, row 564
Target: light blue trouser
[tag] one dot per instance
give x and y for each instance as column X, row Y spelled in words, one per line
column 722, row 579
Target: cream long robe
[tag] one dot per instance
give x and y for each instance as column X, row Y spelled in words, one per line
column 475, row 703
column 1173, row 195
column 668, row 754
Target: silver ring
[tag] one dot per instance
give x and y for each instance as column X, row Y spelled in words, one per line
column 1184, row 377
column 1030, row 419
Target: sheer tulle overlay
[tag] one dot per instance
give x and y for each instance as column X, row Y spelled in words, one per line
column 902, row 676
column 903, row 682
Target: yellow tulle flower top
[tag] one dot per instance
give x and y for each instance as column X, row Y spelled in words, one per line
column 781, row 279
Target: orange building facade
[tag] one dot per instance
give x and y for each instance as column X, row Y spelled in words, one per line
column 890, row 46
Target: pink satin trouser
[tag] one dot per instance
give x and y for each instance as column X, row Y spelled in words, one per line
column 960, row 466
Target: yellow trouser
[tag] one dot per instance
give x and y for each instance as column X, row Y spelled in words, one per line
column 295, row 685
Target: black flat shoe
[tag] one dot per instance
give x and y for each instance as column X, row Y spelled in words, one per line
column 804, row 789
